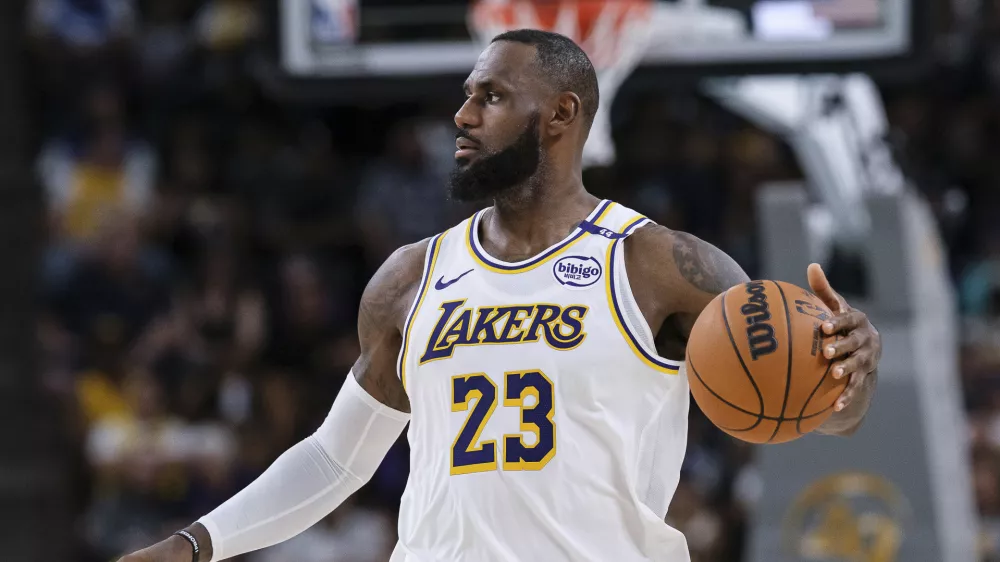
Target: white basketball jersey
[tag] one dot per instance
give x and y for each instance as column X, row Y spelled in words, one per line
column 544, row 426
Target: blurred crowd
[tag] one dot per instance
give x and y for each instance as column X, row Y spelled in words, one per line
column 207, row 247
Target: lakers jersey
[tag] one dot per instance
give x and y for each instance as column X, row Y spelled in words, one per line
column 544, row 425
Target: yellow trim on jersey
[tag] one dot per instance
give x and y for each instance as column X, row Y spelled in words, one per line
column 435, row 251
column 608, row 268
column 534, row 264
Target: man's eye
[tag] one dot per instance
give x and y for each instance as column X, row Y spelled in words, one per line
column 492, row 97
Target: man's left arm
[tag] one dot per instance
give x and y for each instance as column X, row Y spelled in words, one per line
column 675, row 275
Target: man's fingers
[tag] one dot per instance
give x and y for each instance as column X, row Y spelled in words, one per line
column 844, row 400
column 821, row 287
column 848, row 395
column 853, row 364
column 842, row 346
column 844, row 322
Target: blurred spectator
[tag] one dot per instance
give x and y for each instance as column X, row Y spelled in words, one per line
column 114, row 294
column 754, row 158
column 166, row 48
column 700, row 181
column 306, row 319
column 216, row 331
column 221, row 315
column 227, row 24
column 307, row 209
column 979, row 286
column 97, row 171
column 350, row 534
column 73, row 40
column 131, row 446
column 110, row 302
column 690, row 515
column 193, row 213
column 82, row 26
column 142, row 457
column 402, row 198
column 648, row 156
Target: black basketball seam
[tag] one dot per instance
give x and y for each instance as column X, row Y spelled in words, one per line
column 739, row 357
column 800, row 417
column 783, row 420
column 760, row 418
column 798, row 423
column 788, row 375
column 723, row 400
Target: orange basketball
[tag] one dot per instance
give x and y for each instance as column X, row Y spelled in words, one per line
column 756, row 366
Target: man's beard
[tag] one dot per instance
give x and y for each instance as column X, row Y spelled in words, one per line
column 494, row 174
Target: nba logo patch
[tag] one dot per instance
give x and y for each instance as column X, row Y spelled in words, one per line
column 577, row 272
column 333, row 22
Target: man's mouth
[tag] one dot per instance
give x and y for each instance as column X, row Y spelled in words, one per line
column 466, row 148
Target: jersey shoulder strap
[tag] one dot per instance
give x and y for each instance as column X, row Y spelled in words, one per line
column 624, row 308
column 456, row 239
column 618, row 223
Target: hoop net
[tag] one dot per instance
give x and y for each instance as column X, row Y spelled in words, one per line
column 613, row 33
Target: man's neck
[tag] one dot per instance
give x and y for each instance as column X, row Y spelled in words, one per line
column 524, row 226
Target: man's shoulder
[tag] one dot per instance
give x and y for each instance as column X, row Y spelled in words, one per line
column 404, row 268
column 409, row 259
column 675, row 260
column 394, row 285
column 406, row 265
column 650, row 249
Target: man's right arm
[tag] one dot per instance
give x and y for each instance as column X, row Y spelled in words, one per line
column 384, row 307
column 313, row 477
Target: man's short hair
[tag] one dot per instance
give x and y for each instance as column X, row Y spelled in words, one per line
column 563, row 63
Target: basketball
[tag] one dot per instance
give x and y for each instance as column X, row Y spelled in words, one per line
column 756, row 366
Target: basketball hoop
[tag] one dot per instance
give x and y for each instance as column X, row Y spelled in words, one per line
column 613, row 33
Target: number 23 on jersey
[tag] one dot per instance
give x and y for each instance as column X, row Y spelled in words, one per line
column 469, row 454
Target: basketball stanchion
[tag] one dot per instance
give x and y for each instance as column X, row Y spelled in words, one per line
column 613, row 33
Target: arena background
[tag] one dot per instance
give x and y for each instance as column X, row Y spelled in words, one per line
column 187, row 230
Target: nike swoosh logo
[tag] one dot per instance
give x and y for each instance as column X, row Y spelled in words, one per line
column 441, row 285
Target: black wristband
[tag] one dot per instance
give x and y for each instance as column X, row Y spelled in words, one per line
column 194, row 544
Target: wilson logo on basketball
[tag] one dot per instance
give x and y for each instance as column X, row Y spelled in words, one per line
column 760, row 334
column 577, row 271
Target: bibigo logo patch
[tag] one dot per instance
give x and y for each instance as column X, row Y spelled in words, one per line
column 577, row 271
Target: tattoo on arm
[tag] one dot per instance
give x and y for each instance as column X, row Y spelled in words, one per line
column 674, row 276
column 377, row 375
column 704, row 266
column 383, row 306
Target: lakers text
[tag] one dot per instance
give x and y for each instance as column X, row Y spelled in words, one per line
column 559, row 327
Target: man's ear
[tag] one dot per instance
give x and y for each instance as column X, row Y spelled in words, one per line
column 567, row 111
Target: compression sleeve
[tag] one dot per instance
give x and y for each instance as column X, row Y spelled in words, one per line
column 310, row 479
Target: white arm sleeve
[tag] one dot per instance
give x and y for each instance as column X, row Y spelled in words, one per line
column 310, row 479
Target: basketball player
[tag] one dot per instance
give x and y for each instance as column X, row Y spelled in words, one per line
column 533, row 349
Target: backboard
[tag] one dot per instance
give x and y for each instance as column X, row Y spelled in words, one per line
column 352, row 40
